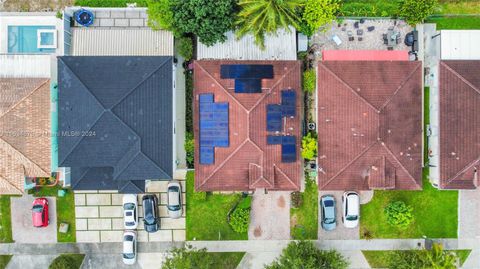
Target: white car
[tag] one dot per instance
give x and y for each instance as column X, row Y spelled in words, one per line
column 130, row 216
column 129, row 247
column 174, row 203
column 351, row 209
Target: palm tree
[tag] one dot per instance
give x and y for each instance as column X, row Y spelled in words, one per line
column 260, row 17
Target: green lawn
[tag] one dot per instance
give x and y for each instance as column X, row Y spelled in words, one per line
column 72, row 259
column 453, row 23
column 304, row 220
column 4, row 259
column 380, row 259
column 459, row 7
column 207, row 214
column 5, row 220
column 226, row 260
column 65, row 211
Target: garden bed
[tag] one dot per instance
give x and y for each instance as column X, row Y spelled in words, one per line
column 381, row 259
column 304, row 218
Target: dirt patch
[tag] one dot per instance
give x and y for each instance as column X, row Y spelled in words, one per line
column 281, row 202
column 37, row 5
column 257, row 232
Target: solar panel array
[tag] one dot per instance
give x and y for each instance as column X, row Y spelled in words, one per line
column 213, row 127
column 289, row 147
column 248, row 77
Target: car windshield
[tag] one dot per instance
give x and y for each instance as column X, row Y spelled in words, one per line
column 37, row 208
column 329, row 221
column 128, row 223
column 128, row 238
column 129, row 206
column 350, row 217
column 328, row 203
column 128, row 255
column 174, row 207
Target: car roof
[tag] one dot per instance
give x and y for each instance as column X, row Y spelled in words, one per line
column 127, row 246
column 173, row 198
column 329, row 212
column 353, row 204
column 37, row 218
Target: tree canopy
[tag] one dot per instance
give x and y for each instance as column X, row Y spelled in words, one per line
column 416, row 11
column 304, row 255
column 317, row 13
column 262, row 17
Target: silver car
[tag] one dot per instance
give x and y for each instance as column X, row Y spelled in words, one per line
column 129, row 247
column 327, row 205
column 174, row 196
column 130, row 216
column 351, row 209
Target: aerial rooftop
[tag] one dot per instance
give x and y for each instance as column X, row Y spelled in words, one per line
column 115, row 121
column 369, row 125
column 247, row 121
column 459, row 124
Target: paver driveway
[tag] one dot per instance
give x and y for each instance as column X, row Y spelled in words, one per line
column 340, row 232
column 270, row 215
column 22, row 227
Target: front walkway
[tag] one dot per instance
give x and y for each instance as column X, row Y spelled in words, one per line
column 270, row 215
column 30, row 261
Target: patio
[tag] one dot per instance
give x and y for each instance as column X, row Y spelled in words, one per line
column 360, row 35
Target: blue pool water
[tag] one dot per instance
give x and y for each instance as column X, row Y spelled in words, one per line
column 23, row 39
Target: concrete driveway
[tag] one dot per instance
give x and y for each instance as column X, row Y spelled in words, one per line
column 340, row 233
column 270, row 215
column 114, row 261
column 22, row 227
column 30, row 261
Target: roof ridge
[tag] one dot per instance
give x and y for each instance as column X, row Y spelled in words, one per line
column 23, row 156
column 10, row 184
column 402, row 84
column 401, row 164
column 221, row 86
column 224, row 162
column 25, row 97
column 140, row 83
column 460, row 77
column 81, row 177
column 463, row 170
column 349, row 163
column 350, row 88
column 276, row 168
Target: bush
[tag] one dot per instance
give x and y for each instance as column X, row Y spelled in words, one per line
column 109, row 3
column 160, row 15
column 309, row 147
column 189, row 149
column 67, row 261
column 317, row 13
column 416, row 11
column 297, row 199
column 240, row 219
column 370, row 8
column 188, row 102
column 399, row 214
column 309, row 80
column 185, row 47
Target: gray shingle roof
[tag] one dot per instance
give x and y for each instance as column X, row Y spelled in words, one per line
column 115, row 121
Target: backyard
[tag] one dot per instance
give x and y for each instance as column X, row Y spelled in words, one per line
column 304, row 218
column 65, row 210
column 5, row 220
column 207, row 214
column 458, row 22
column 381, row 259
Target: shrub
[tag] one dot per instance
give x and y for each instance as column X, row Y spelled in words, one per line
column 399, row 214
column 297, row 199
column 245, row 202
column 189, row 149
column 240, row 219
column 416, row 11
column 188, row 102
column 160, row 15
column 317, row 13
column 109, row 3
column 185, row 47
column 309, row 147
column 309, row 80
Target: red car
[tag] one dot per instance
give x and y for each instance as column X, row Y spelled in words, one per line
column 40, row 212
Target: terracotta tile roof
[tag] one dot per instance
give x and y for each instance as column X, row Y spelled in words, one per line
column 369, row 125
column 24, row 132
column 248, row 162
column 459, row 124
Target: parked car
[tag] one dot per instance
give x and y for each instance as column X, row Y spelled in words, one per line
column 151, row 220
column 129, row 247
column 327, row 204
column 40, row 213
column 174, row 196
column 130, row 216
column 351, row 209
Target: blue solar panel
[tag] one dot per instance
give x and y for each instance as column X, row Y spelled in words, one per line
column 289, row 149
column 274, row 118
column 235, row 71
column 288, row 103
column 274, row 139
column 213, row 127
column 248, row 85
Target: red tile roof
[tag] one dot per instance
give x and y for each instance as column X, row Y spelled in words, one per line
column 365, row 55
column 369, row 125
column 459, row 124
column 248, row 162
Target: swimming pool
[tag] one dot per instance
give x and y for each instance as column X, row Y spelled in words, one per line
column 31, row 39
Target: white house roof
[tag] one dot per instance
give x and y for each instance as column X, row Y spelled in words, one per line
column 277, row 47
column 121, row 42
column 460, row 44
